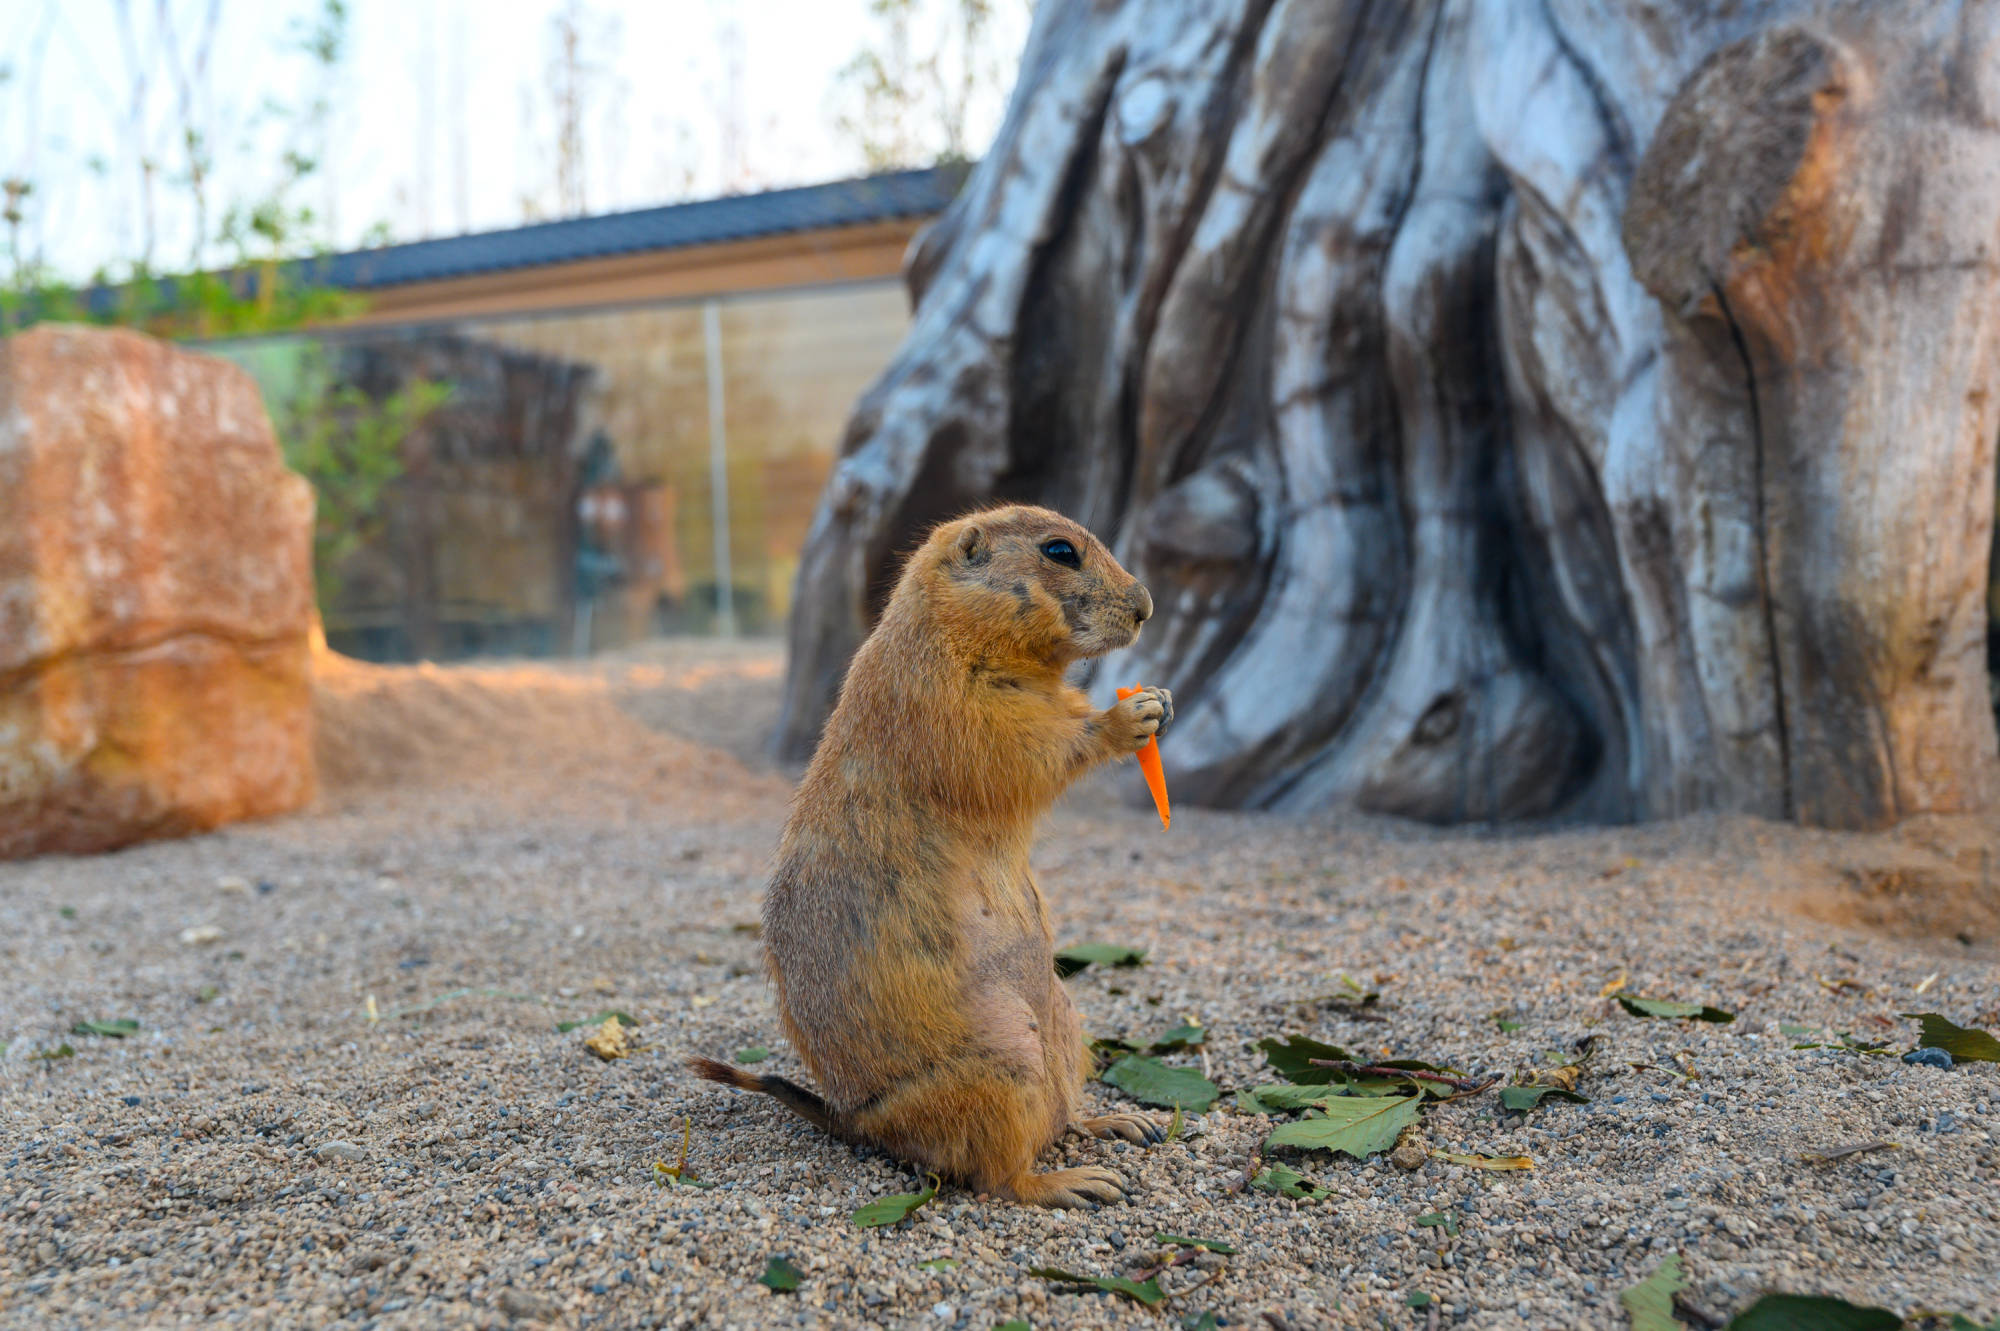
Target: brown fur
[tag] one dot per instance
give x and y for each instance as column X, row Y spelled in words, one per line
column 906, row 934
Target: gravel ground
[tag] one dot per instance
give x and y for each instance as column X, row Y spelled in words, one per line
column 499, row 849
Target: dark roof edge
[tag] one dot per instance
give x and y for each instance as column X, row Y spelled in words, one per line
column 886, row 197
column 891, row 195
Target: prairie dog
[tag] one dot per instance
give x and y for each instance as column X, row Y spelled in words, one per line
column 905, row 932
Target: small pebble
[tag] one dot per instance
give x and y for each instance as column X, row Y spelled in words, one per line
column 339, row 1150
column 1930, row 1056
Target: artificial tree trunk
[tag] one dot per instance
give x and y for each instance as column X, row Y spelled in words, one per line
column 1517, row 407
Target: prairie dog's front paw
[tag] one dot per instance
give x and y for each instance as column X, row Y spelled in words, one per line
column 1140, row 717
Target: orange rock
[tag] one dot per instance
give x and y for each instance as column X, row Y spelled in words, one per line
column 156, row 596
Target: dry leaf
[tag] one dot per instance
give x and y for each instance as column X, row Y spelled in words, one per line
column 1486, row 1161
column 610, row 1041
column 1842, row 1152
column 1615, row 985
column 1563, row 1078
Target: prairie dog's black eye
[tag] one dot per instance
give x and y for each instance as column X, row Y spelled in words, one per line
column 1062, row 552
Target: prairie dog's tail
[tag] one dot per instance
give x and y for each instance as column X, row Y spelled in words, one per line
column 788, row 1093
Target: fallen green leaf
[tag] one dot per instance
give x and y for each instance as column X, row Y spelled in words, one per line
column 1187, row 1035
column 1359, row 1126
column 1966, row 1044
column 780, row 1276
column 1651, row 1301
column 890, row 1210
column 1504, row 1024
column 1444, row 1220
column 1281, row 1098
column 1182, row 1241
column 755, row 1053
column 1152, row 1082
column 1288, row 1182
column 62, row 1050
column 938, row 1264
column 1015, row 1324
column 208, row 993
column 1661, row 1007
column 1418, row 1299
column 1521, row 1099
column 1201, row 1322
column 1074, row 958
column 1291, row 1058
column 67, row 912
column 598, row 1019
column 1960, row 1322
column 117, row 1028
column 1147, row 1292
column 1793, row 1029
column 1175, row 1126
column 1801, row 1312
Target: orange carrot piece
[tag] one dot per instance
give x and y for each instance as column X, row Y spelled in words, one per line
column 1149, row 766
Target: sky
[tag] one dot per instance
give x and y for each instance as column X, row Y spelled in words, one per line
column 441, row 117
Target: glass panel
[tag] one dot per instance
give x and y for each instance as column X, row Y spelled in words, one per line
column 794, row 364
column 543, row 484
column 642, row 557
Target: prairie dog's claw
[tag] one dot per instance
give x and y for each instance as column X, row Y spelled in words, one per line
column 1144, row 715
column 1134, row 1128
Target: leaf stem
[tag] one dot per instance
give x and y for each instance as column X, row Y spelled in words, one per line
column 1464, row 1085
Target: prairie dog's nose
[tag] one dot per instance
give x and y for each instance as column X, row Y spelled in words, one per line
column 1142, row 608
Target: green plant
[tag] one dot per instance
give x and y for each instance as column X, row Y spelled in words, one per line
column 349, row 446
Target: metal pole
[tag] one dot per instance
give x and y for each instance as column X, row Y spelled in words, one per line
column 718, row 472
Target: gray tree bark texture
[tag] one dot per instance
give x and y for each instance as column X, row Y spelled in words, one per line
column 1518, row 408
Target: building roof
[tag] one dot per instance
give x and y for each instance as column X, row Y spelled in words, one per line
column 895, row 194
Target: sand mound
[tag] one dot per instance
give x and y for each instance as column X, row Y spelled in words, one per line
column 523, row 733
column 1933, row 880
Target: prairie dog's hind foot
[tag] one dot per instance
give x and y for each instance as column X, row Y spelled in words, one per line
column 1068, row 1189
column 1134, row 1128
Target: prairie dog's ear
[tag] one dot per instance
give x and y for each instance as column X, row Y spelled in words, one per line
column 973, row 546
